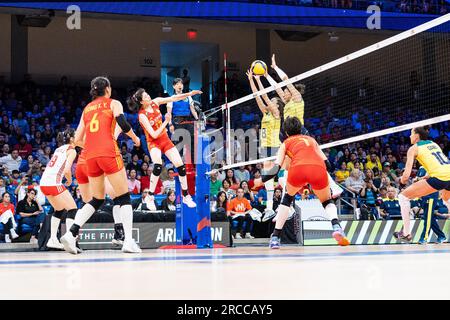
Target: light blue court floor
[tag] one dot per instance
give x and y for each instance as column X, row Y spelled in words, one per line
column 356, row 272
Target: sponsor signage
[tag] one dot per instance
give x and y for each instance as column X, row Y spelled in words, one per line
column 148, row 235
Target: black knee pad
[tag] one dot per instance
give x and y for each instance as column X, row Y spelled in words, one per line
column 123, row 200
column 58, row 213
column 327, row 202
column 96, row 203
column 287, row 200
column 181, row 170
column 71, row 214
column 157, row 169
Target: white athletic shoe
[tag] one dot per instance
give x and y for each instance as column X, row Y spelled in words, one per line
column 7, row 238
column 238, row 236
column 249, row 236
column 117, row 242
column 291, row 214
column 151, row 203
column 13, row 233
column 33, row 240
column 268, row 214
column 54, row 244
column 187, row 200
column 70, row 243
column 255, row 214
column 131, row 246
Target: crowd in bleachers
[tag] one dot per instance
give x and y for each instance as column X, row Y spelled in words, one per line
column 31, row 115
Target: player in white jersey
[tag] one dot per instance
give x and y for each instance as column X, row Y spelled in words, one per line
column 52, row 187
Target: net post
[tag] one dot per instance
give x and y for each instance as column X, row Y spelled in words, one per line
column 203, row 166
column 185, row 219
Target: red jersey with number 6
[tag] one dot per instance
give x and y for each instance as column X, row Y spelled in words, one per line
column 100, row 126
column 303, row 150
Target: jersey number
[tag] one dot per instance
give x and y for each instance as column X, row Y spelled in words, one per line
column 263, row 133
column 52, row 162
column 94, row 124
column 441, row 158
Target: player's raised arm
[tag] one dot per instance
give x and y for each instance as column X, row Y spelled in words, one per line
column 271, row 106
column 258, row 99
column 117, row 109
column 176, row 97
column 296, row 95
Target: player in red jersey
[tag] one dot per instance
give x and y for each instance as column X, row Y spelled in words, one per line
column 308, row 165
column 158, row 141
column 95, row 133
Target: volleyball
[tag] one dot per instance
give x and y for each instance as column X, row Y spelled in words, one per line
column 258, row 67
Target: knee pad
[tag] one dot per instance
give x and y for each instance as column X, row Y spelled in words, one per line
column 122, row 200
column 71, row 214
column 287, row 200
column 58, row 213
column 96, row 203
column 181, row 170
column 327, row 202
column 157, row 169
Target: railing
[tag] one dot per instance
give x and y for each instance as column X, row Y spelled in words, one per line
column 344, row 200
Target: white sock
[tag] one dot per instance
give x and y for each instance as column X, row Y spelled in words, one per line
column 183, row 182
column 69, row 223
column 153, row 182
column 283, row 213
column 54, row 227
column 84, row 214
column 116, row 214
column 269, row 189
column 405, row 208
column 126, row 213
column 331, row 211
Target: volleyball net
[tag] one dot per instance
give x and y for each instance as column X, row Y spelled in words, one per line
column 384, row 89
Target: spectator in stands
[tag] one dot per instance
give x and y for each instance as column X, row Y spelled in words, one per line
column 31, row 214
column 214, row 184
column 390, row 174
column 238, row 209
column 355, row 182
column 11, row 161
column 134, row 164
column 169, row 184
column 242, row 174
column 23, row 147
column 2, row 185
column 353, row 161
column 22, row 188
column 390, row 207
column 126, row 156
column 248, row 194
column 21, row 123
column 134, row 185
column 27, row 163
column 393, row 161
column 168, row 204
column 342, row 174
column 15, row 178
column 374, row 162
column 7, row 218
column 77, row 197
column 228, row 191
column 234, row 183
column 219, row 207
column 369, row 196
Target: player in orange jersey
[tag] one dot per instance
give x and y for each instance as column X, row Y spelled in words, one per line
column 158, row 141
column 307, row 166
column 96, row 134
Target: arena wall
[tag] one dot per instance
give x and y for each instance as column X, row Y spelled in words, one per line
column 5, row 45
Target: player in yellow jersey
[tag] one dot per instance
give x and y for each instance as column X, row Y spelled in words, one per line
column 295, row 107
column 431, row 157
column 269, row 133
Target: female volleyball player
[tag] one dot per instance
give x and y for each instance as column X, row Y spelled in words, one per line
column 431, row 157
column 51, row 185
column 96, row 131
column 270, row 133
column 86, row 194
column 307, row 166
column 158, row 141
column 295, row 107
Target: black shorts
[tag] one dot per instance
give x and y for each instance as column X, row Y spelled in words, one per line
column 266, row 152
column 438, row 184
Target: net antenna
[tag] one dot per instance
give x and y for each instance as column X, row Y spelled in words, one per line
column 436, row 116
